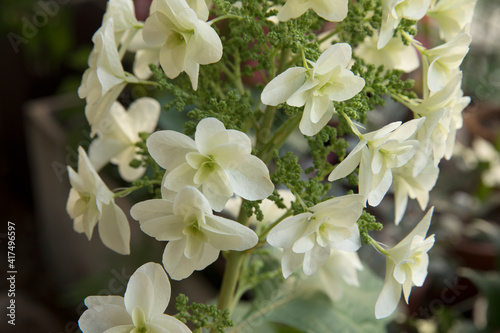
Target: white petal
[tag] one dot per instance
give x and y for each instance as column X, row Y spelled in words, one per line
column 180, row 177
column 225, row 234
column 314, row 259
column 208, row 46
column 292, row 9
column 91, row 301
column 100, row 318
column 288, row 231
column 333, row 11
column 349, row 163
column 250, row 179
column 164, row 228
column 307, row 126
column 169, row 148
column 150, row 209
column 290, row 262
column 283, row 86
column 339, row 54
column 114, row 229
column 389, row 296
column 380, row 185
column 170, row 324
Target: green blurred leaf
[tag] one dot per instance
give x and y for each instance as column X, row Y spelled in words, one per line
column 314, row 312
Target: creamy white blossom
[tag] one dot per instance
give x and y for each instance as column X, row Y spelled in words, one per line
column 218, row 162
column 308, row 238
column 145, row 55
column 140, row 310
column 393, row 11
column 406, row 266
column 377, row 154
column 118, row 132
column 394, row 55
column 445, row 59
column 90, row 201
column 453, row 16
column 196, row 236
column 187, row 41
column 330, row 10
column 315, row 88
column 341, row 268
column 443, row 113
column 105, row 78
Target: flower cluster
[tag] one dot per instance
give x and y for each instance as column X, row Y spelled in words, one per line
column 221, row 165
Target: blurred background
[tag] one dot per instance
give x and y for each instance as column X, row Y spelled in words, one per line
column 44, row 50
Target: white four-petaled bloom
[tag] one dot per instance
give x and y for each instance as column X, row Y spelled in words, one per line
column 406, row 266
column 377, row 154
column 308, row 238
column 187, row 40
column 140, row 310
column 105, row 78
column 90, row 201
column 218, row 162
column 330, row 10
column 327, row 80
column 118, row 132
column 195, row 235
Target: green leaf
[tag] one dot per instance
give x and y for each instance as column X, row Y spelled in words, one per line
column 315, row 312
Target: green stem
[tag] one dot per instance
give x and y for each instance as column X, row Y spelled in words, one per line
column 377, row 246
column 224, row 17
column 131, row 189
column 230, row 280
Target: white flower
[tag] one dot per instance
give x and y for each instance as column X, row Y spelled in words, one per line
column 195, row 235
column 118, row 132
column 218, row 162
column 406, row 266
column 330, row 10
column 141, row 310
column 394, row 55
column 377, row 154
column 145, row 55
column 395, row 10
column 105, row 78
column 342, row 267
column 91, row 201
column 328, row 80
column 445, row 59
column 443, row 113
column 453, row 16
column 187, row 41
column 307, row 238
column 416, row 186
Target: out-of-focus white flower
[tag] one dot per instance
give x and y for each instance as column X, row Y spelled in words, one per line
column 406, row 266
column 141, row 310
column 377, row 154
column 342, row 267
column 118, row 132
column 444, row 60
column 218, row 162
column 486, row 152
column 394, row 55
column 195, row 235
column 452, row 16
column 307, row 238
column 327, row 80
column 330, row 10
column 187, row 41
column 416, row 186
column 395, row 10
column 90, row 201
column 105, row 78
